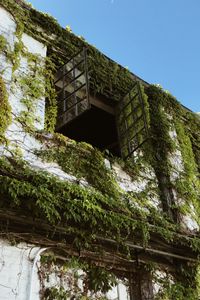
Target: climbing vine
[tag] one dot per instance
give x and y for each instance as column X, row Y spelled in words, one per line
column 188, row 184
column 77, row 277
column 180, row 285
column 5, row 110
column 83, row 161
column 100, row 209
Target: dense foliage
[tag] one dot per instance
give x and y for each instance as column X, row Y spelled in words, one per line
column 100, row 208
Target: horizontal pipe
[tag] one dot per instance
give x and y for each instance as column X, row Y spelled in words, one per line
column 164, row 253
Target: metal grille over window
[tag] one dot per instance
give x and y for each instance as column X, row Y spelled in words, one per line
column 131, row 122
column 72, row 86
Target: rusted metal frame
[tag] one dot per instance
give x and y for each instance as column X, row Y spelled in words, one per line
column 136, row 148
column 86, row 75
column 127, row 131
column 68, row 96
column 71, row 81
column 74, row 87
column 65, row 74
column 143, row 116
column 69, row 108
column 128, row 94
column 128, row 128
column 132, row 137
column 121, row 111
column 130, row 98
column 142, row 105
column 135, row 108
column 134, row 118
column 77, row 53
column 68, row 121
column 63, row 90
column 133, row 150
column 137, row 131
column 86, row 84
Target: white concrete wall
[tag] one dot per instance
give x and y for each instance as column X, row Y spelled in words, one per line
column 15, row 132
column 20, row 278
column 16, row 263
column 7, row 29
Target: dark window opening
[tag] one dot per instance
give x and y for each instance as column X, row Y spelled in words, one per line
column 96, row 127
column 118, row 127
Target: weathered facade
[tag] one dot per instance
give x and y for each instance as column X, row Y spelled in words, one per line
column 99, row 172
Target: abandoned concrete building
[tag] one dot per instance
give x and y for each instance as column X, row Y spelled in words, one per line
column 99, row 173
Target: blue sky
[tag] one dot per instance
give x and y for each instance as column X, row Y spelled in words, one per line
column 159, row 40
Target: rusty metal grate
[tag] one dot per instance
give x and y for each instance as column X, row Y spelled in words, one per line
column 131, row 122
column 72, row 86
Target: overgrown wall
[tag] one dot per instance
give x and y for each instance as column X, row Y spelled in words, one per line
column 60, row 192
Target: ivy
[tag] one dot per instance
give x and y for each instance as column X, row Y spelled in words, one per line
column 3, row 43
column 77, row 208
column 107, row 77
column 160, row 146
column 188, row 184
column 101, row 208
column 96, row 281
column 84, row 162
column 50, row 94
column 5, row 110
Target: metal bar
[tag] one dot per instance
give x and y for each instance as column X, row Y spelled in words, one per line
column 63, row 90
column 134, row 118
column 86, row 75
column 74, row 79
column 68, row 96
column 70, row 59
column 136, row 133
column 128, row 128
column 74, row 87
column 138, row 146
column 156, row 251
column 71, row 120
column 82, row 99
column 131, row 99
column 134, row 85
column 133, row 111
column 142, row 104
column 64, row 75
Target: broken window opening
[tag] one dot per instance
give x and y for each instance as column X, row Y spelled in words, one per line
column 81, row 115
column 119, row 127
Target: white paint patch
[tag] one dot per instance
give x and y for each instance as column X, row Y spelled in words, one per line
column 15, row 272
column 33, row 46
